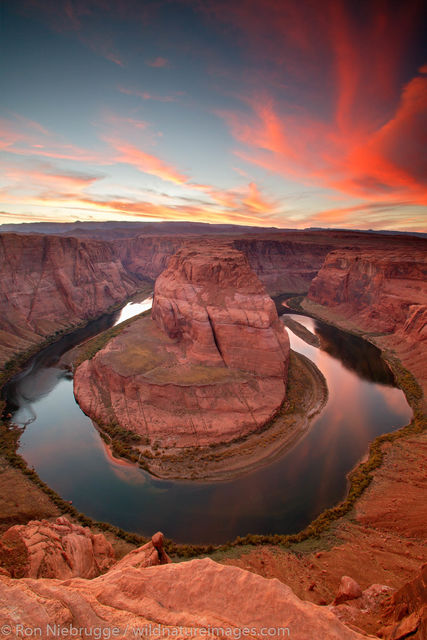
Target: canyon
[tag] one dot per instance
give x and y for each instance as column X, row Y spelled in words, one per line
column 373, row 285
column 382, row 294
column 209, row 366
column 52, row 283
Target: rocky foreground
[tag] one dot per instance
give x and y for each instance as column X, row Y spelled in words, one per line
column 71, row 584
column 209, row 366
column 144, row 589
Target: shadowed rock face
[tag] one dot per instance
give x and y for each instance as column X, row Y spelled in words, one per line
column 50, row 283
column 211, row 364
column 381, row 291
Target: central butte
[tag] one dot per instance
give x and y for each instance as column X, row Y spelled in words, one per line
column 208, row 367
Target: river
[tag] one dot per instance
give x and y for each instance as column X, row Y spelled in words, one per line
column 61, row 443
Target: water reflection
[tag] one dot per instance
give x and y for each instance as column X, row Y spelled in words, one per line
column 133, row 309
column 284, row 496
column 355, row 354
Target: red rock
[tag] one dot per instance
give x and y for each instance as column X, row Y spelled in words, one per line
column 57, row 549
column 211, row 365
column 381, row 290
column 49, row 283
column 211, row 300
column 347, row 590
column 149, row 555
column 408, row 610
column 195, row 597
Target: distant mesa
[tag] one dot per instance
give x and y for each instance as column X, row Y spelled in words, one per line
column 209, row 366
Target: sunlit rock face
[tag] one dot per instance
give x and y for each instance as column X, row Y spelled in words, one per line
column 209, row 366
column 60, row 549
column 200, row 598
column 51, row 283
column 213, row 303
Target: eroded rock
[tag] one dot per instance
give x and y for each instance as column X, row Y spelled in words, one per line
column 60, row 549
column 209, row 366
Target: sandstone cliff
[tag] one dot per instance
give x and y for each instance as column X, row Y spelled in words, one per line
column 49, row 283
column 60, row 549
column 211, row 364
column 282, row 265
column 199, row 598
column 381, row 292
column 54, row 282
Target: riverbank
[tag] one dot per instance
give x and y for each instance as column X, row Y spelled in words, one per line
column 309, row 535
column 410, row 375
column 301, row 331
column 381, row 539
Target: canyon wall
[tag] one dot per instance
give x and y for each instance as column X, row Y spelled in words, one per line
column 284, row 266
column 49, row 283
column 380, row 292
column 209, row 367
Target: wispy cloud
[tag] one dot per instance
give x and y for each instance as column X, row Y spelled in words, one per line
column 145, row 162
column 146, row 95
column 23, row 137
column 341, row 116
column 158, row 62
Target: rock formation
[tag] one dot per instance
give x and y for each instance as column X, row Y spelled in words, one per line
column 189, row 599
column 60, row 549
column 284, row 265
column 53, row 282
column 386, row 290
column 49, row 283
column 406, row 614
column 211, row 364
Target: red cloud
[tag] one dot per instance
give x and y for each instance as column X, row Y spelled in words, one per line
column 146, row 162
column 331, row 109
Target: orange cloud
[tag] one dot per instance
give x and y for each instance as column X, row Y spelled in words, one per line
column 46, row 182
column 256, row 202
column 146, row 162
column 385, row 164
column 24, row 137
column 326, row 105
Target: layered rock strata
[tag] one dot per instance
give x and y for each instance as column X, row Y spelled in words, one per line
column 60, row 549
column 209, row 366
column 51, row 283
column 380, row 292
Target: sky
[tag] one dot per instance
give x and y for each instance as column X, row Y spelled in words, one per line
column 280, row 113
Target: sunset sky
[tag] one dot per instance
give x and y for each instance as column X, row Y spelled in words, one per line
column 261, row 112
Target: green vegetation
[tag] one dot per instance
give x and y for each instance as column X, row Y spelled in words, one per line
column 92, row 346
column 295, row 303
